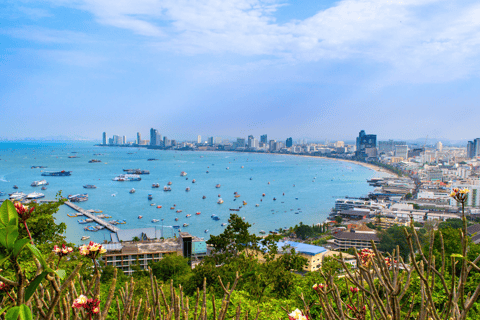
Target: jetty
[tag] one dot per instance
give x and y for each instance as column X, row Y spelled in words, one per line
column 89, row 214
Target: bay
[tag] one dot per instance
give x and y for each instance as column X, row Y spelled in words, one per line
column 305, row 188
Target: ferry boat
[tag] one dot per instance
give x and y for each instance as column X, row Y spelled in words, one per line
column 155, row 185
column 150, row 196
column 220, row 201
column 218, row 186
column 38, row 167
column 155, row 220
column 78, row 197
column 85, row 238
column 187, row 189
column 62, row 173
column 132, row 190
column 94, row 161
column 183, row 173
column 39, row 183
column 136, row 171
column 167, row 188
column 35, row 195
column 127, row 177
column 90, row 186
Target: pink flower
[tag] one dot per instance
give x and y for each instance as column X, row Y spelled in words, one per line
column 297, row 315
column 366, row 256
column 91, row 306
column 91, row 250
column 3, row 286
column 62, row 251
column 23, row 212
column 353, row 289
column 319, row 286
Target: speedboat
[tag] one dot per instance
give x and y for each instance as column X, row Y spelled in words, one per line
column 204, row 197
column 140, row 217
column 220, row 201
column 244, row 203
column 193, row 181
column 176, row 219
column 183, row 173
column 262, row 232
column 150, row 196
column 185, row 224
column 198, row 213
column 155, row 220
column 224, row 224
column 44, row 188
column 169, row 183
column 188, row 215
column 132, row 190
column 159, row 207
column 167, row 188
column 85, row 238
column 15, row 187
column 217, row 186
column 178, row 211
column 187, row 189
column 39, row 183
column 257, row 205
column 90, row 186
column 155, row 185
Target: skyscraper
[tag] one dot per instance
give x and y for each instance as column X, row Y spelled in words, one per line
column 124, row 140
column 199, row 139
column 153, row 137
column 263, row 139
column 139, row 138
column 366, row 145
column 289, row 142
column 104, row 138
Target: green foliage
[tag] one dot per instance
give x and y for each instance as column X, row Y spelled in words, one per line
column 451, row 223
column 393, row 236
column 171, row 266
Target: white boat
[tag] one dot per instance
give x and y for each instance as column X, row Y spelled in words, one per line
column 220, row 201
column 34, row 195
column 132, row 191
column 262, row 232
column 183, row 173
column 127, row 177
column 155, row 220
column 39, row 183
column 17, row 196
column 85, row 238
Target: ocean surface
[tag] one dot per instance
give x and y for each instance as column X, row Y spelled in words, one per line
column 305, row 188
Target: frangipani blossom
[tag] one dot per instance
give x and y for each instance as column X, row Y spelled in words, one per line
column 92, row 250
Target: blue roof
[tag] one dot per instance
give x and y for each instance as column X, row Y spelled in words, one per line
column 302, row 247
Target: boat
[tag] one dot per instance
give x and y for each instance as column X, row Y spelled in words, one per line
column 220, row 201
column 62, row 173
column 244, row 203
column 251, row 178
column 215, row 218
column 183, row 173
column 237, row 196
column 224, row 224
column 263, row 194
column 207, row 171
column 274, row 199
column 257, row 205
column 206, row 231
column 85, row 221
column 78, row 197
column 188, row 215
column 187, row 189
column 228, row 168
column 150, row 196
column 71, row 157
column 155, row 185
column 114, row 195
column 34, row 195
column 169, row 183
column 44, row 188
column 132, row 190
column 104, row 216
column 159, row 207
column 85, row 238
column 204, row 197
column 72, row 215
column 198, row 213
column 193, row 181
column 140, row 217
column 234, row 209
column 15, row 187
column 152, row 159
column 185, row 224
column 262, row 232
column 155, row 220
column 136, row 171
column 90, row 228
column 39, row 183
column 241, row 167
column 176, row 219
column 94, row 161
column 152, row 204
column 175, row 227
column 167, row 188
column 217, row 186
column 127, row 177
column 178, row 211
column 90, row 186
column 38, row 167
column 268, row 182
column 172, row 208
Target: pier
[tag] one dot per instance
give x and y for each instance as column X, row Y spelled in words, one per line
column 90, row 215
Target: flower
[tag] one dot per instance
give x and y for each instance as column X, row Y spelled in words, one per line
column 23, row 212
column 91, row 250
column 460, row 195
column 297, row 315
column 318, row 287
column 366, row 256
column 388, row 261
column 62, row 251
column 354, row 289
column 91, row 306
column 3, row 286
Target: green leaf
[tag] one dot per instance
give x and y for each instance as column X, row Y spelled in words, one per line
column 456, row 255
column 12, row 314
column 25, row 313
column 61, row 273
column 19, row 245
column 3, row 310
column 32, row 287
column 3, row 258
column 39, row 256
column 8, row 213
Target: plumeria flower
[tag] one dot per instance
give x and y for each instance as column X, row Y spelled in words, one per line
column 388, row 261
column 92, row 250
column 91, row 306
column 297, row 315
column 366, row 256
column 354, row 289
column 319, row 286
column 460, row 195
column 79, row 302
column 23, row 212
column 63, row 250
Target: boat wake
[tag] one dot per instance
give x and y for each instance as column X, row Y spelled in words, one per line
column 3, row 179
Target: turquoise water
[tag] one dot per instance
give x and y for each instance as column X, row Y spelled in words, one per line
column 310, row 185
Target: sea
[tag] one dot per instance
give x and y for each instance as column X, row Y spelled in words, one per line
column 297, row 189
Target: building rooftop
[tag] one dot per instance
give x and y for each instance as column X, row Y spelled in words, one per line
column 356, row 236
column 302, row 247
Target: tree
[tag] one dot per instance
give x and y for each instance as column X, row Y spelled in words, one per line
column 451, row 223
column 408, row 196
column 171, row 266
column 338, row 219
column 304, row 231
column 135, row 239
column 393, row 236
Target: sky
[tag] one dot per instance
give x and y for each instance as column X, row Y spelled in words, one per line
column 230, row 68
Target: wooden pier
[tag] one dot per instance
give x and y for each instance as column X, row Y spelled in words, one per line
column 90, row 215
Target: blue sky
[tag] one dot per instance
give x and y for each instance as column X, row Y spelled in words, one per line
column 306, row 69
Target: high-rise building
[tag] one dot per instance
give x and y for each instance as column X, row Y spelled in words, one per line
column 124, row 140
column 271, row 145
column 366, row 145
column 389, row 146
column 210, row 141
column 240, row 142
column 476, row 147
column 401, row 151
column 104, row 140
column 218, row 140
column 439, row 146
column 470, row 149
column 289, row 142
column 199, row 139
column 252, row 142
column 153, row 137
column 166, row 142
column 263, row 139
column 117, row 139
column 139, row 138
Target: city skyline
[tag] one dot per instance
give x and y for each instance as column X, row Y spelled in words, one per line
column 319, row 71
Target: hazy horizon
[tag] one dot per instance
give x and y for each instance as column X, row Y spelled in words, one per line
column 316, row 70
